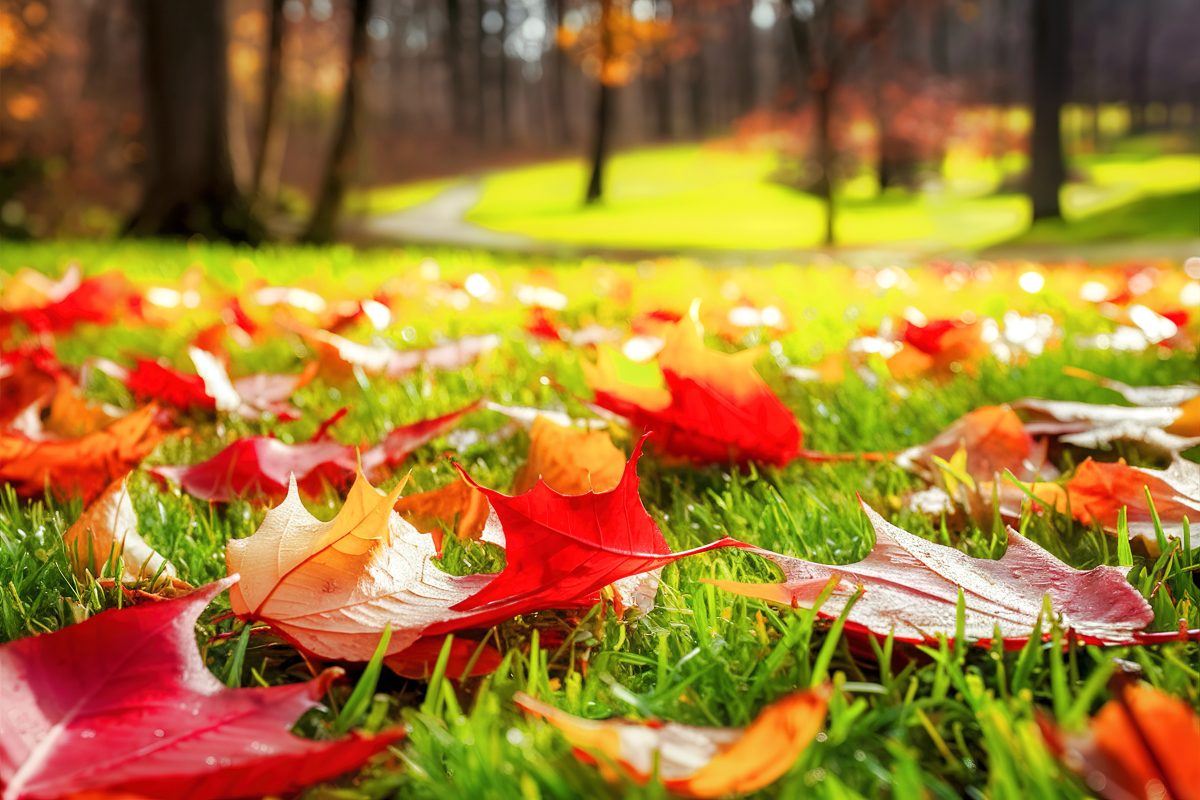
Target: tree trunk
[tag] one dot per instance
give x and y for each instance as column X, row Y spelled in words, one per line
column 1051, row 34
column 1139, row 72
column 558, row 79
column 269, row 141
column 885, row 171
column 502, row 76
column 823, row 103
column 190, row 187
column 452, row 47
column 602, row 123
column 338, row 166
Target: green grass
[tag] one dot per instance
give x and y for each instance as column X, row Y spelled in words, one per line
column 713, row 197
column 950, row 722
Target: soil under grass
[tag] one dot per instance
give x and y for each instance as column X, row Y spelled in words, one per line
column 949, row 722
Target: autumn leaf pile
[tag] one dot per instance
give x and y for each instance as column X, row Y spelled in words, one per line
column 532, row 531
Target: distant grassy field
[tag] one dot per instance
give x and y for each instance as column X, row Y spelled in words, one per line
column 709, row 197
column 942, row 723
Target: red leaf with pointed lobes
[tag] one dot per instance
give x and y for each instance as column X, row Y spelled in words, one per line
column 124, row 703
column 711, row 407
column 911, row 587
column 262, row 466
column 562, row 548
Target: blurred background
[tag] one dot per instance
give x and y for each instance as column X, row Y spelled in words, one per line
column 632, row 126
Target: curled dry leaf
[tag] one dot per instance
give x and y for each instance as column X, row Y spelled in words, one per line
column 256, row 467
column 1164, row 430
column 106, row 532
column 910, row 587
column 1142, row 745
column 81, row 466
column 694, row 761
column 123, row 703
column 703, row 406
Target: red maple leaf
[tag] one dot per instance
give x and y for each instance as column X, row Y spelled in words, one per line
column 123, row 702
column 562, row 549
column 712, row 407
column 262, row 466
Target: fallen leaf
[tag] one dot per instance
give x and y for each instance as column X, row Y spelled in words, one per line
column 106, row 532
column 29, row 375
column 332, row 587
column 1098, row 491
column 569, row 460
column 340, row 355
column 993, row 439
column 468, row 659
column 457, row 507
column 82, row 466
column 563, row 548
column 1141, row 395
column 710, row 407
column 56, row 306
column 69, row 415
column 124, row 703
column 1142, row 744
column 256, row 467
column 1098, row 427
column 940, row 348
column 693, row 761
column 526, row 416
column 911, row 588
column 211, row 389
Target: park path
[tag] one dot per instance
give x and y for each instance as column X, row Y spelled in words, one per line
column 441, row 220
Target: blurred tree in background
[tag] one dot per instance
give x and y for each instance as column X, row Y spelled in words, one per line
column 248, row 118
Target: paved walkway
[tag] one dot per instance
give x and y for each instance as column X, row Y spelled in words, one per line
column 441, row 221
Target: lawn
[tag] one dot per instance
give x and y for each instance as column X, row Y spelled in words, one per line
column 717, row 197
column 942, row 722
